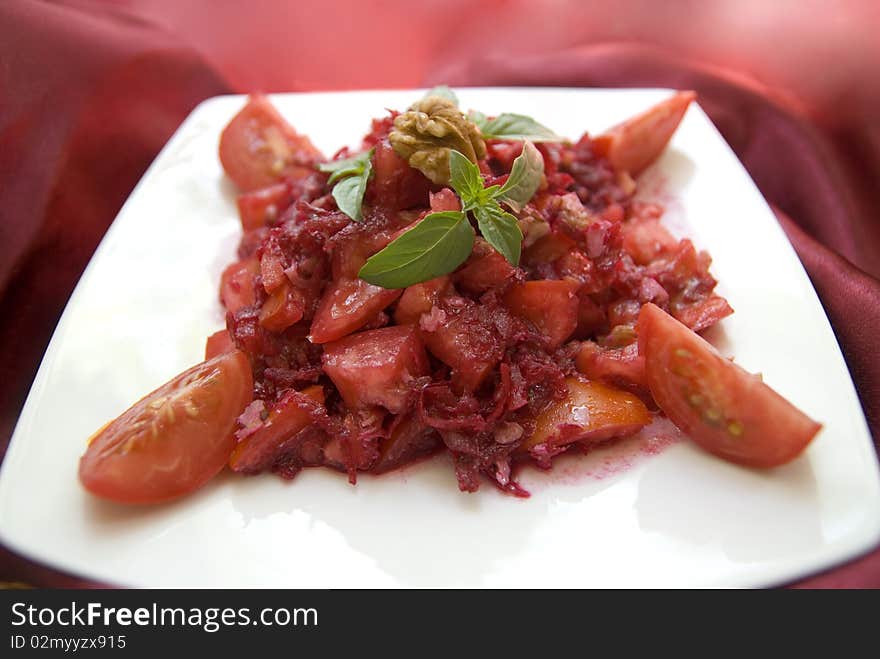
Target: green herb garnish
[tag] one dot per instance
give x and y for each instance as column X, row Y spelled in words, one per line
column 350, row 176
column 443, row 241
column 435, row 246
column 509, row 126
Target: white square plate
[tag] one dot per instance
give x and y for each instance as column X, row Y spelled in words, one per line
column 148, row 299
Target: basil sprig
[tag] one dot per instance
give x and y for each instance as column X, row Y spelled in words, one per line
column 443, row 241
column 350, row 176
column 510, row 126
column 438, row 244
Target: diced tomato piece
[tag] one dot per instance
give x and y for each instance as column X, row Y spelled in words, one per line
column 262, row 207
column 591, row 412
column 550, row 305
column 548, row 248
column 504, row 153
column 468, row 343
column 445, row 200
column 620, row 366
column 346, row 306
column 646, row 240
column 702, row 314
column 283, row 308
column 396, row 185
column 485, row 269
column 725, row 409
column 272, row 266
column 217, row 344
column 353, row 246
column 420, row 298
column 259, row 148
column 285, row 419
column 237, row 284
column 576, row 265
column 637, row 142
column 376, row 367
column 408, row 440
column 623, row 312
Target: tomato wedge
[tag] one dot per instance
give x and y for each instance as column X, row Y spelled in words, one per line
column 175, row 439
column 637, row 142
column 259, row 148
column 725, row 409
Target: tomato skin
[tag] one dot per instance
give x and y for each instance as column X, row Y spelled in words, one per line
column 723, row 408
column 259, row 148
column 637, row 142
column 173, row 440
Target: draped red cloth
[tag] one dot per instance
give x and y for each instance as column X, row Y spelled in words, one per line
column 90, row 91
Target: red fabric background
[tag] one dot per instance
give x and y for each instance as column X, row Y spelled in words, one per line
column 90, row 91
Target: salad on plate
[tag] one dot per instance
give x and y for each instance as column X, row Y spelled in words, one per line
column 458, row 283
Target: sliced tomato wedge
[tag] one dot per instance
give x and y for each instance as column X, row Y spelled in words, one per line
column 723, row 408
column 259, row 148
column 175, row 439
column 637, row 142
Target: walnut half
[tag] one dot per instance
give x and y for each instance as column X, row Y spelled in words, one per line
column 424, row 135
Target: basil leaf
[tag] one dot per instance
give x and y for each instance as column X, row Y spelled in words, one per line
column 524, row 180
column 349, row 192
column 346, row 166
column 351, row 176
column 478, row 118
column 435, row 246
column 501, row 230
column 509, row 126
column 465, row 179
column 443, row 91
